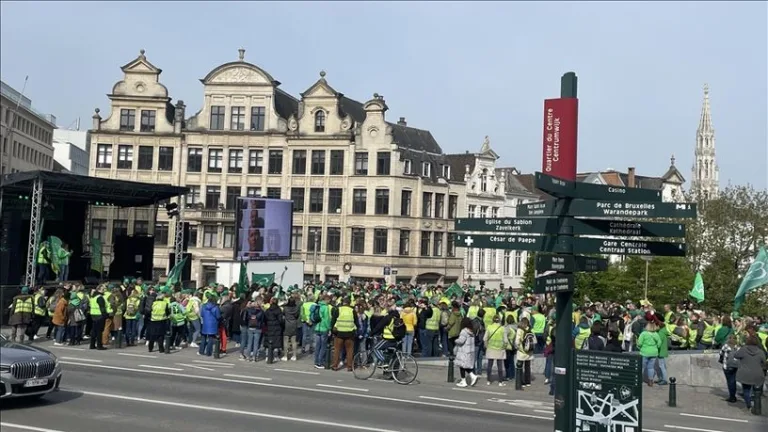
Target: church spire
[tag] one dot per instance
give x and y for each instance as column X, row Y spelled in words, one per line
column 706, row 174
column 705, row 123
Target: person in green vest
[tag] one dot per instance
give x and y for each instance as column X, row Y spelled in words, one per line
column 308, row 334
column 722, row 332
column 99, row 310
column 495, row 340
column 539, row 323
column 131, row 318
column 159, row 320
column 322, row 331
column 43, row 263
column 430, row 343
column 178, row 322
column 344, row 330
column 581, row 332
column 63, row 256
column 192, row 306
column 649, row 344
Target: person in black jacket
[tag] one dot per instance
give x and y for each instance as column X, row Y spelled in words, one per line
column 274, row 319
column 425, row 313
column 146, row 309
column 614, row 341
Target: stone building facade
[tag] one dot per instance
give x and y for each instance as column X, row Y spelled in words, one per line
column 26, row 135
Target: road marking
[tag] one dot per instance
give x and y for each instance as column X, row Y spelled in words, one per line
column 342, row 388
column 236, row 412
column 161, row 367
column 29, row 428
column 137, row 355
column 691, row 428
column 652, row 430
column 480, row 391
column 543, row 412
column 715, row 418
column 307, row 389
column 448, row 400
column 82, row 359
column 219, row 364
column 195, row 366
column 248, row 377
column 67, row 348
column 296, row 371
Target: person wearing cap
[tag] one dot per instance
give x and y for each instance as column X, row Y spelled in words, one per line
column 22, row 312
column 131, row 317
column 158, row 320
column 75, row 319
column 210, row 315
column 99, row 310
column 146, row 312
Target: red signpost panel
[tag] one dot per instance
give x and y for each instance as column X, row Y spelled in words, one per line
column 561, row 118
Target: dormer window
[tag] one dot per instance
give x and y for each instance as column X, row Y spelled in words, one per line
column 426, row 169
column 446, row 172
column 484, row 181
column 408, row 167
column 320, row 121
column 127, row 119
column 148, row 120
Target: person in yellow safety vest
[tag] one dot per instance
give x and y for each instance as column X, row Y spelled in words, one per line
column 178, row 322
column 495, row 339
column 344, row 329
column 193, row 306
column 539, row 322
column 131, row 318
column 43, row 263
column 41, row 313
column 158, row 320
column 50, row 307
column 762, row 334
column 307, row 334
column 490, row 312
column 581, row 333
column 695, row 332
column 430, row 341
column 99, row 312
column 22, row 314
column 678, row 333
column 708, row 335
column 109, row 319
column 472, row 310
column 386, row 327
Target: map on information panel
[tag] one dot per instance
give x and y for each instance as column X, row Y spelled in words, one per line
column 609, row 392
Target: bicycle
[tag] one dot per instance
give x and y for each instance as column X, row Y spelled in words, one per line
column 401, row 366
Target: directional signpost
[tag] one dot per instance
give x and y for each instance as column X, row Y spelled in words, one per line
column 555, row 227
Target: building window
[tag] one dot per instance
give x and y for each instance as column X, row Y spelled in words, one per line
column 381, row 205
column 493, row 261
column 408, row 167
column 253, row 192
column 320, row 121
column 273, row 192
column 506, row 262
column 426, row 238
column 471, row 210
column 215, row 160
column 357, row 243
column 297, row 196
column 337, row 162
column 99, row 229
column 383, row 162
column 275, row 162
column 192, row 240
column 359, row 198
column 426, row 210
column 299, row 162
column 104, row 156
column 439, row 205
column 161, row 233
column 318, row 162
column 315, row 200
column 484, row 180
column 237, row 119
column 405, row 242
column 380, row 238
column 447, row 172
column 148, row 120
column 193, row 196
column 124, row 156
column 229, row 236
column 437, row 249
column 235, row 161
column 233, row 193
column 483, row 211
column 494, row 212
column 140, row 227
column 119, row 228
column 361, row 163
column 405, row 203
column 334, row 200
column 315, row 239
column 450, row 245
column 210, row 236
column 165, row 159
column 333, row 242
column 217, row 117
column 195, row 160
column 255, row 161
column 257, row 119
column 426, row 169
column 212, row 197
column 518, row 263
column 453, row 204
column 297, row 238
column 146, row 154
column 481, row 260
column 127, row 119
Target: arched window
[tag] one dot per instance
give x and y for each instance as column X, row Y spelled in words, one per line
column 320, row 121
column 484, row 181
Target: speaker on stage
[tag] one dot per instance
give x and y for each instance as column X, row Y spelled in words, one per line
column 132, row 257
column 186, row 272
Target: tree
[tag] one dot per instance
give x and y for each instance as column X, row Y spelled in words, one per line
column 529, row 275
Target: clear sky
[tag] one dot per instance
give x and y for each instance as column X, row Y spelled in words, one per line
column 461, row 70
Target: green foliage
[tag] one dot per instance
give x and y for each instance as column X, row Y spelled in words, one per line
column 530, row 271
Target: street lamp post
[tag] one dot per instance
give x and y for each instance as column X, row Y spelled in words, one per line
column 316, row 241
column 647, row 260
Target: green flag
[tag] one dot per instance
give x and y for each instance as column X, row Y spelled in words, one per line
column 264, row 280
column 242, row 283
column 756, row 276
column 97, row 261
column 55, row 251
column 697, row 291
column 454, row 290
column 174, row 276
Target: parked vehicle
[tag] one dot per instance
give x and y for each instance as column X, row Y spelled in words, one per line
column 27, row 371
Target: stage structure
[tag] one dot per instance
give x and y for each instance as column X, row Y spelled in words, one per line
column 45, row 185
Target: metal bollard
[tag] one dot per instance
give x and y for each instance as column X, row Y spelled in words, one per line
column 757, row 401
column 329, row 347
column 672, row 392
column 451, row 376
column 217, row 348
column 167, row 343
column 119, row 338
column 270, row 353
column 519, row 376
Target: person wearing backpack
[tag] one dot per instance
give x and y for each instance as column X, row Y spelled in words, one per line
column 253, row 317
column 596, row 341
column 478, row 329
column 131, row 318
column 525, row 342
column 178, row 323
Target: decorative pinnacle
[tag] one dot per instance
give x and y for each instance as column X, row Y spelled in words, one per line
column 322, row 74
column 141, row 53
column 706, row 89
column 241, row 53
column 672, row 159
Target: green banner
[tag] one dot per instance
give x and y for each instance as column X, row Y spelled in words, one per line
column 174, row 276
column 266, row 280
column 55, row 252
column 97, row 262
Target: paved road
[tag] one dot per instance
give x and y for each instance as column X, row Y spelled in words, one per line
column 126, row 389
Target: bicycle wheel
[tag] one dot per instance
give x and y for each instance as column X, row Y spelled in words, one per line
column 364, row 365
column 406, row 369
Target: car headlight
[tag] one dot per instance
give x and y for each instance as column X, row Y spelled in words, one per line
column 5, row 368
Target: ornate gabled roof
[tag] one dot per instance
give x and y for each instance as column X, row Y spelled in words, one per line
column 486, row 150
column 321, row 84
column 239, row 72
column 141, row 65
column 705, row 122
column 672, row 171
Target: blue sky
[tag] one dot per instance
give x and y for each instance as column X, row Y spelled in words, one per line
column 461, row 70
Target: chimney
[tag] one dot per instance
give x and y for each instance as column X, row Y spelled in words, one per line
column 631, row 177
column 402, row 122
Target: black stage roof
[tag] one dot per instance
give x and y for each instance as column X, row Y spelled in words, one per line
column 83, row 188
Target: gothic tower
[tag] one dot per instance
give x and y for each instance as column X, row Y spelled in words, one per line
column 706, row 174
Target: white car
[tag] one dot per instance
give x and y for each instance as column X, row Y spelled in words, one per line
column 27, row 371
